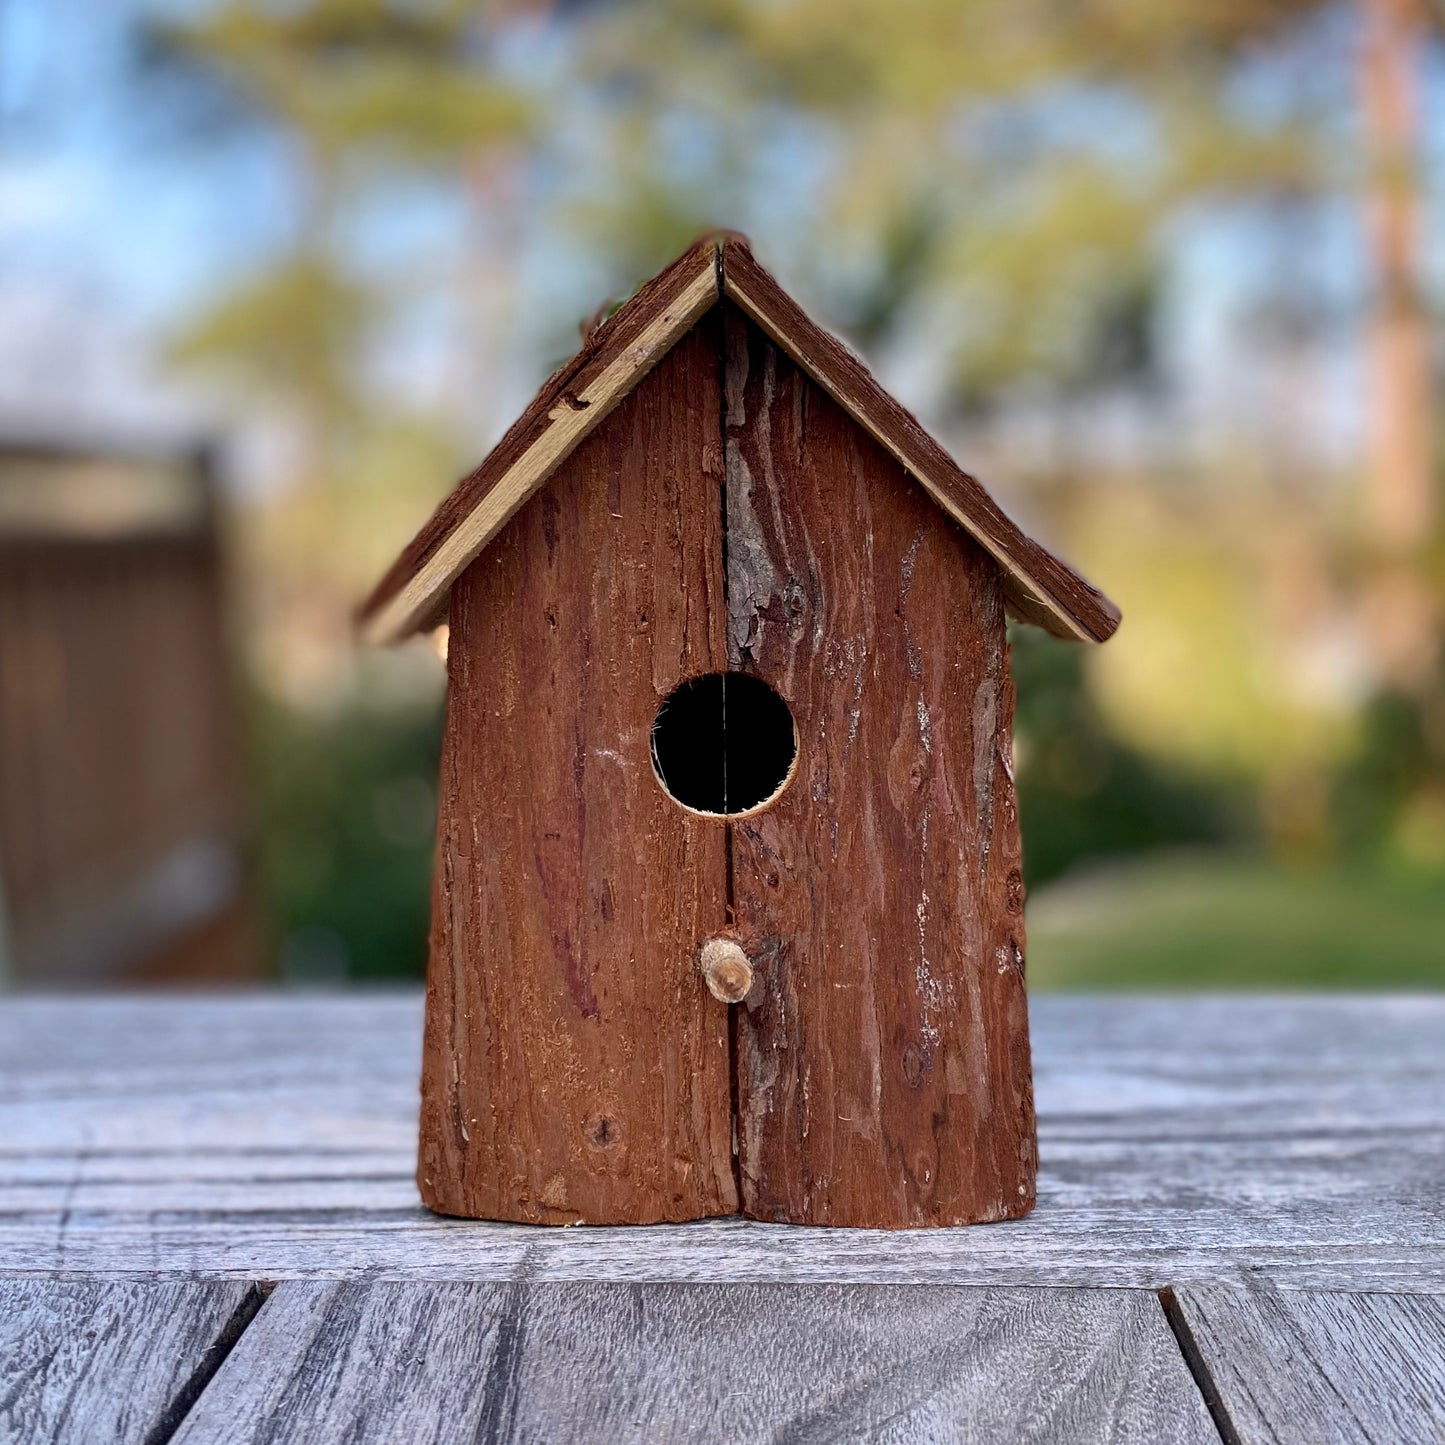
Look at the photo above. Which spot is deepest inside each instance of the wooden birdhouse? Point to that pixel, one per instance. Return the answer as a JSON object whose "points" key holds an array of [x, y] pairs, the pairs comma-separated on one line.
{"points": [[728, 913]]}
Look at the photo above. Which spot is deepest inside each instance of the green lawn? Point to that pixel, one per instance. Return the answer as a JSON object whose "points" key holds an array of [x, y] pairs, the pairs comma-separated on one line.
{"points": [[1229, 922]]}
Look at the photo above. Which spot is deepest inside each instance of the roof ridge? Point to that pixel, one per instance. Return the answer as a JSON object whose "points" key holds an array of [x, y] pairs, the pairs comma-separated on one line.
{"points": [[1040, 588]]}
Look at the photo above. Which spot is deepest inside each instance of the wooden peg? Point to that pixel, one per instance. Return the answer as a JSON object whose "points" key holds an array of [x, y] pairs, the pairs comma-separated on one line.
{"points": [[726, 969]]}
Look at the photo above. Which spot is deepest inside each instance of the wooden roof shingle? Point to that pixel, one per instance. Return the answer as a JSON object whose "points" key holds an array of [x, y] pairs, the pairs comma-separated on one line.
{"points": [[1040, 588]]}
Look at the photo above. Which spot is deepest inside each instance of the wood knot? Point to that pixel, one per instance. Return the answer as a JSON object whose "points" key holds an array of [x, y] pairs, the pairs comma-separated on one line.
{"points": [[601, 1132], [917, 1064], [725, 969], [1015, 891]]}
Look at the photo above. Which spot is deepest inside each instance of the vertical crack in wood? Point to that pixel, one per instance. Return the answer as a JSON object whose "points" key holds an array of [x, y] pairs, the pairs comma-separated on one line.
{"points": [[734, 1071], [883, 1061], [1198, 1367], [730, 905], [723, 693], [502, 1395], [502, 1389], [228, 1337], [720, 333]]}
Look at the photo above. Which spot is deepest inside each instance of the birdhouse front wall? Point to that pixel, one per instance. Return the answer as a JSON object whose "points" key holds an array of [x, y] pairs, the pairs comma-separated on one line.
{"points": [[728, 516]]}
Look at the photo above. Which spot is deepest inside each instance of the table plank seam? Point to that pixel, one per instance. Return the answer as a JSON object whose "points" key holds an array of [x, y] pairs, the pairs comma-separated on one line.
{"points": [[227, 1338], [1198, 1367], [519, 1359]]}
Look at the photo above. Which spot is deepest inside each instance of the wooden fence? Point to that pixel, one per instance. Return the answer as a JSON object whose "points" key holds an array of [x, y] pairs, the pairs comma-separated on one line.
{"points": [[121, 831]]}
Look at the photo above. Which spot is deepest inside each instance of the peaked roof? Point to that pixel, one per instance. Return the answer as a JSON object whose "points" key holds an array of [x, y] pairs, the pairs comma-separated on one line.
{"points": [[1039, 587]]}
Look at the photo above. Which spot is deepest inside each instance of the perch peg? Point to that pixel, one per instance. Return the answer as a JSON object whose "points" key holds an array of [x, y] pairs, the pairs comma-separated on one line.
{"points": [[726, 969]]}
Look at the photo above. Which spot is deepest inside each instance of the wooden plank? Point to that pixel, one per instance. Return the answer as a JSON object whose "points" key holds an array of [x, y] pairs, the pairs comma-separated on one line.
{"points": [[521, 1361], [614, 359], [1041, 589], [576, 1067], [111, 1363], [1299, 1140], [883, 1058], [1299, 1368]]}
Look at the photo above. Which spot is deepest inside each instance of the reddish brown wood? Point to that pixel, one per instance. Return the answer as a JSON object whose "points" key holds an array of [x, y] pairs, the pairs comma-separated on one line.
{"points": [[576, 1067], [882, 1054], [1040, 588], [1058, 599], [604, 344]]}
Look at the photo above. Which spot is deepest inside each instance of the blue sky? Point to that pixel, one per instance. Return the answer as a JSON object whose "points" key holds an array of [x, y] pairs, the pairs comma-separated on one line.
{"points": [[115, 223]]}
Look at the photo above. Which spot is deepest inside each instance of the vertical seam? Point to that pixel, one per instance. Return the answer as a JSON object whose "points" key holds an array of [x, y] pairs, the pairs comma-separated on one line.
{"points": [[1196, 1365], [730, 894]]}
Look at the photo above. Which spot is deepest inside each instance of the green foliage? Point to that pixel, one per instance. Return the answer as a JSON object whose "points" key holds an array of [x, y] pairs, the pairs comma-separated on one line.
{"points": [[1214, 665], [372, 92], [402, 80], [346, 819], [1227, 922], [294, 331], [1012, 170], [1389, 800], [1015, 163], [1084, 795]]}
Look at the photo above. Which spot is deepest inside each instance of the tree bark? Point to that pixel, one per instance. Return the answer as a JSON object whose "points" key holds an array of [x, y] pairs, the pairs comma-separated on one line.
{"points": [[1401, 503]]}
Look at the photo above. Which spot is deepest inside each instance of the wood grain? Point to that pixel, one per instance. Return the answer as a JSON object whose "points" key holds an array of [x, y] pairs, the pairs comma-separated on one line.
{"points": [[1299, 1368], [110, 1363], [1296, 1140], [576, 1067], [1041, 589], [883, 1059], [374, 1362], [573, 402]]}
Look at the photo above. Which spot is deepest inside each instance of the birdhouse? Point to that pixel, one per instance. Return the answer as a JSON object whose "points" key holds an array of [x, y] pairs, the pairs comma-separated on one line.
{"points": [[728, 912]]}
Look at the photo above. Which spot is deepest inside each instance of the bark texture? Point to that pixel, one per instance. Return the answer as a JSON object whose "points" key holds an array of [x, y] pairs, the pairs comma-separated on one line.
{"points": [[575, 1065], [729, 515], [882, 1053]]}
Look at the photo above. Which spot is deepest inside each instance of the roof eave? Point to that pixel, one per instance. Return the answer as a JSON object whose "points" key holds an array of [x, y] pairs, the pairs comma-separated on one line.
{"points": [[1039, 588], [577, 398]]}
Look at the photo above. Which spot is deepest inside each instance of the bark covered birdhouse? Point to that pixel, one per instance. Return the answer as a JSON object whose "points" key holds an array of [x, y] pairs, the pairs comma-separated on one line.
{"points": [[728, 913]]}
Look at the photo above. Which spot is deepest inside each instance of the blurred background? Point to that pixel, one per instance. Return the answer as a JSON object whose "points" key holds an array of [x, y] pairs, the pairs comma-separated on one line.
{"points": [[1164, 275]]}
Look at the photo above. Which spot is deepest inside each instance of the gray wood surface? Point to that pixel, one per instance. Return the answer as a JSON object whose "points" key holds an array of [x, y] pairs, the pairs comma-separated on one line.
{"points": [[1299, 1368], [1297, 1140], [392, 1361], [110, 1363]]}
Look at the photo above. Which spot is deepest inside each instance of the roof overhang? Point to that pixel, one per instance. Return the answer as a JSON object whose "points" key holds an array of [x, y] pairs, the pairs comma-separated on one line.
{"points": [[1039, 587]]}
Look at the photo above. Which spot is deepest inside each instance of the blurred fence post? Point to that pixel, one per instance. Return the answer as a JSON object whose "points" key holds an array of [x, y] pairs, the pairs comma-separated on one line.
{"points": [[121, 805]]}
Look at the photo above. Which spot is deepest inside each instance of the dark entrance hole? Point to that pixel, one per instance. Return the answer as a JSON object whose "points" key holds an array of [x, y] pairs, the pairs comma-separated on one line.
{"points": [[723, 743]]}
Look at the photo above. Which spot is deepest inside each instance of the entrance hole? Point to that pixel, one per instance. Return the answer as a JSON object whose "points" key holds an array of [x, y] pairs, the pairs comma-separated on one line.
{"points": [[723, 744]]}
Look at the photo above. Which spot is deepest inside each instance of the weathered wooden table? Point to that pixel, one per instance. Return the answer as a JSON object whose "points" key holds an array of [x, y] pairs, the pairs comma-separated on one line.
{"points": [[209, 1232]]}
